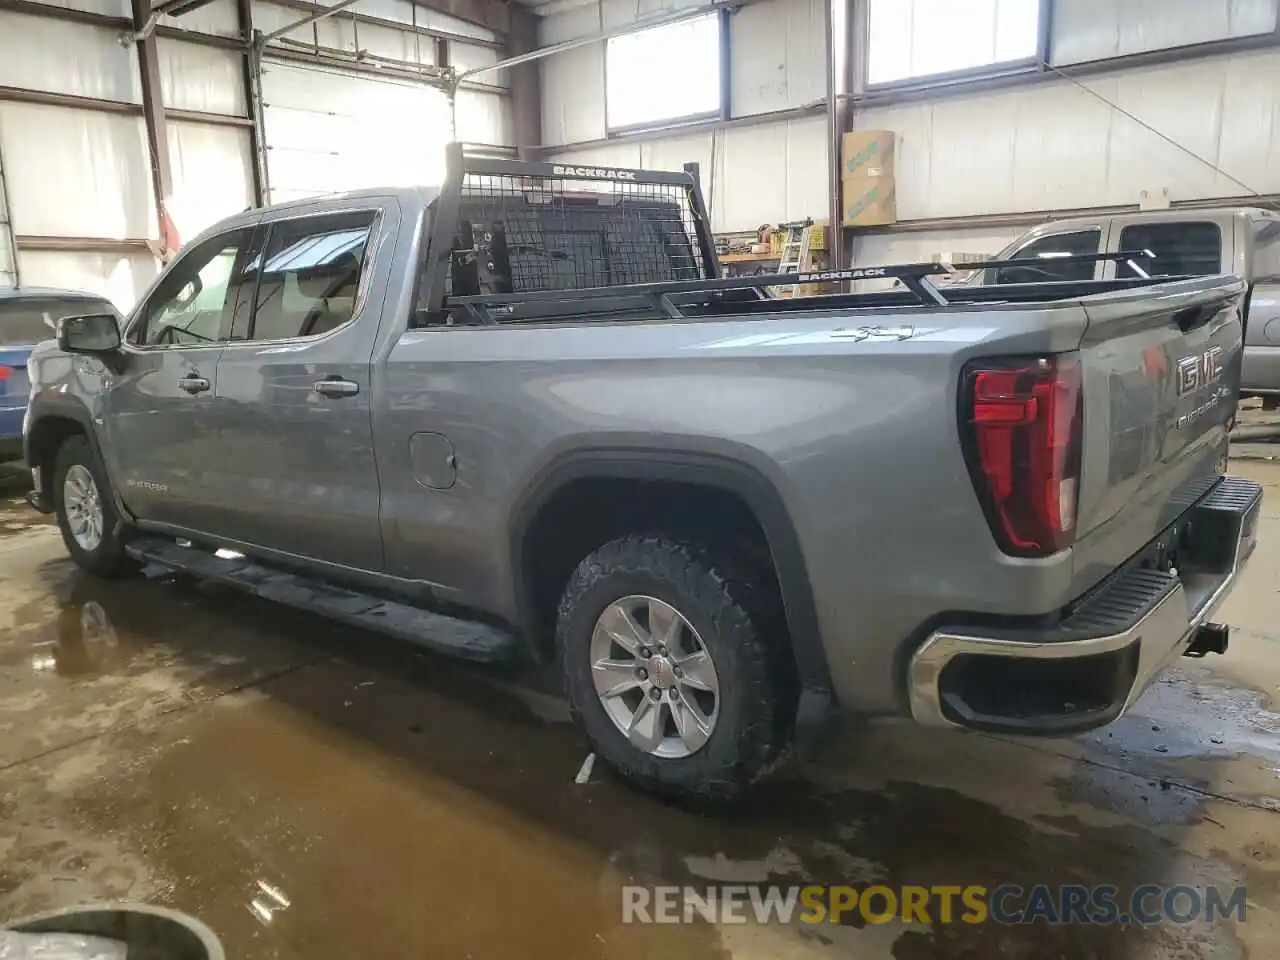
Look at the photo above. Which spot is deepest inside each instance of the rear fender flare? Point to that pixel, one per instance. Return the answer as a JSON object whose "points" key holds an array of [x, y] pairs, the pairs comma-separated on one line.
{"points": [[707, 470]]}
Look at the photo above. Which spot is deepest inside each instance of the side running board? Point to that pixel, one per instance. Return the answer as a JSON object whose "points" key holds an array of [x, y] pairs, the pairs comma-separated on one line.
{"points": [[448, 635]]}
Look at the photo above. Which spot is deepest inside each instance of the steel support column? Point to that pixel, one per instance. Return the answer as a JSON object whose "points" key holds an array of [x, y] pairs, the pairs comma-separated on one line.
{"points": [[153, 115], [251, 73], [526, 83], [837, 56]]}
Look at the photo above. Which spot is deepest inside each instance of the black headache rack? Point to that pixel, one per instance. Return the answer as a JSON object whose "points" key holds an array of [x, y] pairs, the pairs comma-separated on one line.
{"points": [[513, 241]]}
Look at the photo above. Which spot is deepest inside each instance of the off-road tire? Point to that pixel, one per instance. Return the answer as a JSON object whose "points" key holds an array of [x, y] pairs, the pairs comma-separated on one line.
{"points": [[108, 559], [739, 617]]}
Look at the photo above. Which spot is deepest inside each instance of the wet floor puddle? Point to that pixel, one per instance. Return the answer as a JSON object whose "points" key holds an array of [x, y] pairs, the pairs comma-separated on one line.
{"points": [[312, 791]]}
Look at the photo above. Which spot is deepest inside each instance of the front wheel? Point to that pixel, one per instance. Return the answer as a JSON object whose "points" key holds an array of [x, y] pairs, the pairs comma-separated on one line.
{"points": [[676, 666], [87, 516]]}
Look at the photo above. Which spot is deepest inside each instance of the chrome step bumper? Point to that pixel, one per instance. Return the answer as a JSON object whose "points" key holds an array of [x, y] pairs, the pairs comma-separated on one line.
{"points": [[1129, 629]]}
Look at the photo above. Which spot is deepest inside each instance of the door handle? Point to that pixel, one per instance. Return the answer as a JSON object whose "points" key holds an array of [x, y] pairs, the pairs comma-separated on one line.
{"points": [[193, 385], [336, 387]]}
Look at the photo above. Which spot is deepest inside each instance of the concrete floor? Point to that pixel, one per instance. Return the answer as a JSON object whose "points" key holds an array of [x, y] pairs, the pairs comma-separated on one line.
{"points": [[165, 742]]}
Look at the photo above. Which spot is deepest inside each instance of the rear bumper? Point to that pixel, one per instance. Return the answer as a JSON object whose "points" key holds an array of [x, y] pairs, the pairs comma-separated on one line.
{"points": [[1085, 669]]}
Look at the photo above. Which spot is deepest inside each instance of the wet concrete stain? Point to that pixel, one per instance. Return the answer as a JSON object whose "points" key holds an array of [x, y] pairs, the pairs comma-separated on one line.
{"points": [[311, 791]]}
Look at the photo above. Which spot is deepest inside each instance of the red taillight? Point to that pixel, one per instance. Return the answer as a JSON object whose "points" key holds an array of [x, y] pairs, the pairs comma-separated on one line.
{"points": [[1021, 421], [4, 372]]}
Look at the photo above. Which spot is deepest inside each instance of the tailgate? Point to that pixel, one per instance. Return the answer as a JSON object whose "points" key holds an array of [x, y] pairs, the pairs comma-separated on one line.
{"points": [[1161, 376]]}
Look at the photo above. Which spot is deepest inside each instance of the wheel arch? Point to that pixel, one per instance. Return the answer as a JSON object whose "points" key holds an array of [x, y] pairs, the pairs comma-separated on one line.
{"points": [[713, 472], [50, 424]]}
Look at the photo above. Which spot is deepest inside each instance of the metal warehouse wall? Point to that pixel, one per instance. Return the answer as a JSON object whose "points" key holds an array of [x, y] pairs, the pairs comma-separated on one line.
{"points": [[752, 174], [345, 103], [1041, 144]]}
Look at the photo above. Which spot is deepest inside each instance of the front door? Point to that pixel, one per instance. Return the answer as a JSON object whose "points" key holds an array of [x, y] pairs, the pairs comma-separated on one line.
{"points": [[164, 445], [293, 394]]}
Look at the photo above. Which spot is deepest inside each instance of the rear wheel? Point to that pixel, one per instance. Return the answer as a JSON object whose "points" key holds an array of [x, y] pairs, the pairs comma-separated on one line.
{"points": [[87, 516], [676, 666]]}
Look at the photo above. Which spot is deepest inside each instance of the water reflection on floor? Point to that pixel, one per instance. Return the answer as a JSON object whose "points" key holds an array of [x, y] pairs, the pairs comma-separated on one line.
{"points": [[311, 791]]}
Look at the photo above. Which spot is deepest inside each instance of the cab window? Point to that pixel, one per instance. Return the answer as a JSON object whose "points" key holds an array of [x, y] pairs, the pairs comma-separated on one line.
{"points": [[1050, 251], [308, 275], [1181, 249], [193, 303]]}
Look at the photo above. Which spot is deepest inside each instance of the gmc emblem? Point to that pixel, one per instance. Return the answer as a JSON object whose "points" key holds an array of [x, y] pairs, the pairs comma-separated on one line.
{"points": [[1199, 370]]}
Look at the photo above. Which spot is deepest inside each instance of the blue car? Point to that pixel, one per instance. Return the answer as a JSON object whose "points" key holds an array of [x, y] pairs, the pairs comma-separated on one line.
{"points": [[29, 315]]}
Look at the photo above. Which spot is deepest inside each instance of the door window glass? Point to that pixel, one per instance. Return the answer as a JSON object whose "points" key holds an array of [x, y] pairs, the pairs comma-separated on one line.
{"points": [[1181, 249], [309, 275], [1050, 251], [192, 304]]}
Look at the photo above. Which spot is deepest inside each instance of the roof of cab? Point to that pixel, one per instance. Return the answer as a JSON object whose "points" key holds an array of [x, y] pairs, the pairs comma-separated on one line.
{"points": [[418, 195]]}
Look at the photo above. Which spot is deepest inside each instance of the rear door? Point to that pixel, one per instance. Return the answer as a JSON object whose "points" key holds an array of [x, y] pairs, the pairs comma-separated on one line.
{"points": [[293, 396]]}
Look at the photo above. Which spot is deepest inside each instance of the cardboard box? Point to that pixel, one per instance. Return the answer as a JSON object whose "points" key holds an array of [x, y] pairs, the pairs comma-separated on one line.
{"points": [[867, 153], [869, 201]]}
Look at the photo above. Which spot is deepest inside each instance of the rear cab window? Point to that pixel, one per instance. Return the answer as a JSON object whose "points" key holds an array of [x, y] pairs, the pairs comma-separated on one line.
{"points": [[1181, 249], [306, 280], [1047, 250]]}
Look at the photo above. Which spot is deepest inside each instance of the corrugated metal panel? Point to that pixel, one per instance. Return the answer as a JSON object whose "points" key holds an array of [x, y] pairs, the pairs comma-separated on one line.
{"points": [[66, 58], [328, 131], [114, 8], [578, 22], [772, 173], [218, 17], [1094, 29], [1053, 146], [402, 11], [754, 175], [121, 278], [340, 31], [397, 44], [212, 174], [336, 32], [618, 12], [194, 77], [483, 118], [466, 57], [573, 95], [778, 56], [76, 172]]}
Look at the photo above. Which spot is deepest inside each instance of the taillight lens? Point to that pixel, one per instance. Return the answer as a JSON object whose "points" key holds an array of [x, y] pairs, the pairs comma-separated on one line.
{"points": [[1021, 423]]}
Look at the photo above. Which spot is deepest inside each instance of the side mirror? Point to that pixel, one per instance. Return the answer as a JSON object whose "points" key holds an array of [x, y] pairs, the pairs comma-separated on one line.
{"points": [[96, 334]]}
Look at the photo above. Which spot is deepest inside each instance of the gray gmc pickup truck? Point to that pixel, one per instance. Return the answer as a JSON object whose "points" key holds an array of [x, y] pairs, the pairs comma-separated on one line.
{"points": [[523, 415]]}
